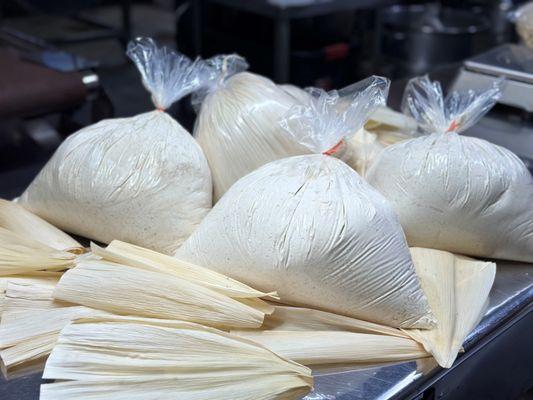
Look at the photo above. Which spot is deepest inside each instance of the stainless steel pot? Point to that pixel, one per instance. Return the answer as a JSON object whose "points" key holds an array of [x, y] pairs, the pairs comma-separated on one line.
{"points": [[420, 38]]}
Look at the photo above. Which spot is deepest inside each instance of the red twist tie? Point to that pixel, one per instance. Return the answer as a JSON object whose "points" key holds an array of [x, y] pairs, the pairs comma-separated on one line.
{"points": [[334, 149], [453, 126]]}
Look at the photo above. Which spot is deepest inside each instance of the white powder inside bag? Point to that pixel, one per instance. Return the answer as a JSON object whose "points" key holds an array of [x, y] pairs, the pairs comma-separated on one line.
{"points": [[453, 192], [460, 194], [143, 180], [312, 229]]}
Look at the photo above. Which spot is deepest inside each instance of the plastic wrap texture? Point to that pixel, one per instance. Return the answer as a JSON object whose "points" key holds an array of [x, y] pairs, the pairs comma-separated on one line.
{"points": [[298, 93], [248, 121], [321, 124], [166, 74], [312, 229], [143, 179], [215, 73], [238, 128], [453, 192], [360, 149]]}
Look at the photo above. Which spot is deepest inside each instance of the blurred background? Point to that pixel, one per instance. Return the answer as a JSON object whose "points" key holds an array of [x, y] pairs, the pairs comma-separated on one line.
{"points": [[62, 63]]}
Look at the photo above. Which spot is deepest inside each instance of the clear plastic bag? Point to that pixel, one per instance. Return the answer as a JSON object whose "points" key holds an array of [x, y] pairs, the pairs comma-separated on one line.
{"points": [[218, 70], [312, 229], [425, 102], [166, 74], [382, 128], [237, 125], [454, 192], [142, 179], [246, 120], [308, 224], [325, 124]]}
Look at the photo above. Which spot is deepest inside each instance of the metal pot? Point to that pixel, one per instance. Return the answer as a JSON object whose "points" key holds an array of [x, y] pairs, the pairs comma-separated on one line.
{"points": [[420, 38]]}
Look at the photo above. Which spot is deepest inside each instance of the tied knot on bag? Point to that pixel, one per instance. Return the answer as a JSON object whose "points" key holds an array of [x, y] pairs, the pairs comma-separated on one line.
{"points": [[456, 124], [335, 149], [453, 126]]}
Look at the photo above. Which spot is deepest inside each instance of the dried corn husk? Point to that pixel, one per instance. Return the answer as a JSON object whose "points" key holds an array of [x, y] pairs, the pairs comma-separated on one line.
{"points": [[38, 277], [28, 330], [320, 347], [20, 350], [140, 257], [285, 318], [388, 119], [436, 270], [20, 254], [123, 289], [457, 289], [17, 219], [154, 359], [473, 282], [27, 337], [24, 296]]}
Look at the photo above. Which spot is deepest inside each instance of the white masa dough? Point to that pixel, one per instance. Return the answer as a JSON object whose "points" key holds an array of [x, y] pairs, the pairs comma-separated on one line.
{"points": [[142, 180], [460, 194], [238, 128], [312, 229]]}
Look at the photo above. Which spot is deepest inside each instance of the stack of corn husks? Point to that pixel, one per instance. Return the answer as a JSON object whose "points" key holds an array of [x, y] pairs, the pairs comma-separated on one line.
{"points": [[302, 263], [101, 310]]}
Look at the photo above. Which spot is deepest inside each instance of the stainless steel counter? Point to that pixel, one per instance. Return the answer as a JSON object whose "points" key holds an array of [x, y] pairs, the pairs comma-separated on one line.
{"points": [[512, 291]]}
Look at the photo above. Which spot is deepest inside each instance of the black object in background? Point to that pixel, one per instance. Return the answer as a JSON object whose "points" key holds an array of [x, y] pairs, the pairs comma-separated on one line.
{"points": [[324, 49]]}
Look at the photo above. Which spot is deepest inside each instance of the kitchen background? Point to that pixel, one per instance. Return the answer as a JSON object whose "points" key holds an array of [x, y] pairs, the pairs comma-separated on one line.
{"points": [[62, 63]]}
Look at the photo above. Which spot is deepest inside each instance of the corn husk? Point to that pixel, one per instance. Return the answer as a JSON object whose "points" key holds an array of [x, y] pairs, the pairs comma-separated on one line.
{"points": [[39, 277], [286, 318], [127, 290], [388, 119], [31, 321], [320, 347], [145, 359], [473, 282], [20, 254], [17, 219], [153, 289], [24, 296], [27, 337], [140, 257], [457, 289]]}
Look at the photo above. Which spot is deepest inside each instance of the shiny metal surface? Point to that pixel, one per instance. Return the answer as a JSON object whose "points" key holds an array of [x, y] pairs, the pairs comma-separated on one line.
{"points": [[509, 60], [512, 290], [514, 62]]}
